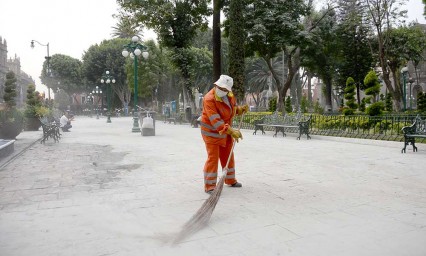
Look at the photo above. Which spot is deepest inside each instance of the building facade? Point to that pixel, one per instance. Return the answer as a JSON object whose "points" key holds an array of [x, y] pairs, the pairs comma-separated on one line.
{"points": [[14, 65]]}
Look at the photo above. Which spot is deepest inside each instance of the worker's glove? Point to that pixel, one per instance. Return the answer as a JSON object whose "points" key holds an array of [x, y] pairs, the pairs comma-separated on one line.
{"points": [[236, 134], [242, 109]]}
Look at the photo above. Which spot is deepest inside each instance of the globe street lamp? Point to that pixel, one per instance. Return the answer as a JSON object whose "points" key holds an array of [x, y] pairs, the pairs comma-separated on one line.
{"points": [[411, 81], [107, 78], [91, 98], [47, 61], [97, 91], [404, 72], [134, 49]]}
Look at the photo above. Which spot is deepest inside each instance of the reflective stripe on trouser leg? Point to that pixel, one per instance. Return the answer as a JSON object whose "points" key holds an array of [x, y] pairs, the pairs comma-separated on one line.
{"points": [[224, 154], [210, 167]]}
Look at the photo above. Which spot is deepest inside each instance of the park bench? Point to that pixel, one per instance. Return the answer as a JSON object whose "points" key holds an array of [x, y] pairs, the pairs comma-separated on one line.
{"points": [[416, 130], [50, 130], [280, 123], [175, 117]]}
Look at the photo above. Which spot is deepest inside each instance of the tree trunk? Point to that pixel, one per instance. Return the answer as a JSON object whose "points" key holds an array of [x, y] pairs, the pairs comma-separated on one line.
{"points": [[236, 48], [293, 60], [328, 103], [217, 62]]}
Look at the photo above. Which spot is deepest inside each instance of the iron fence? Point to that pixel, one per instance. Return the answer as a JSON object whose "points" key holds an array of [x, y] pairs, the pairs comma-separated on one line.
{"points": [[385, 127]]}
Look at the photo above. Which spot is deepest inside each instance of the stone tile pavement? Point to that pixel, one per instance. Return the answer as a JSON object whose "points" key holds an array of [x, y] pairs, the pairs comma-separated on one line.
{"points": [[104, 190]]}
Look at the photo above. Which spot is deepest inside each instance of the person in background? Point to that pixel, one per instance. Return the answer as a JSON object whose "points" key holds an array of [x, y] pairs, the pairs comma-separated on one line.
{"points": [[65, 122], [219, 107]]}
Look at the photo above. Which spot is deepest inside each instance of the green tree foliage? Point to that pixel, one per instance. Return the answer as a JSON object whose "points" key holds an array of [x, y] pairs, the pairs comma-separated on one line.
{"points": [[388, 102], [33, 101], [424, 10], [304, 104], [323, 54], [382, 16], [125, 28], [404, 43], [202, 68], [349, 94], [274, 26], [9, 95], [421, 102], [355, 57], [375, 109], [318, 108], [62, 99], [176, 24], [64, 74], [288, 107], [372, 85], [236, 46], [259, 77], [361, 107], [203, 39], [107, 56], [273, 104]]}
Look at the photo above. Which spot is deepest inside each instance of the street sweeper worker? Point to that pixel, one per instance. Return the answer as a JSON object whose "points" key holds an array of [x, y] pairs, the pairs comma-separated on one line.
{"points": [[219, 107]]}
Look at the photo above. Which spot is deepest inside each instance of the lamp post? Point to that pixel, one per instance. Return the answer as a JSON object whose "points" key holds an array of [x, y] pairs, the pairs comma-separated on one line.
{"points": [[90, 97], [134, 49], [47, 61], [107, 78], [411, 81], [97, 91], [404, 72]]}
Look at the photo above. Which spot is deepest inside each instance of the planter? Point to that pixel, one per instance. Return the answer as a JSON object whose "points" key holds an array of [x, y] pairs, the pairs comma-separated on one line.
{"points": [[9, 130], [32, 124]]}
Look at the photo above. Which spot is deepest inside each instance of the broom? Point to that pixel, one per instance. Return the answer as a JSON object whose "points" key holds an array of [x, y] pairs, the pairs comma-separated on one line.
{"points": [[202, 217]]}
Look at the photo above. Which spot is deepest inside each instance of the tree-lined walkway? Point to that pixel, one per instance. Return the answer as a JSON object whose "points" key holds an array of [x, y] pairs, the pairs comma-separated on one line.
{"points": [[104, 190]]}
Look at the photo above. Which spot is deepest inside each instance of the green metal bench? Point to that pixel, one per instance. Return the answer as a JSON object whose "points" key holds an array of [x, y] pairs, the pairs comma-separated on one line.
{"points": [[50, 130], [416, 130], [280, 123]]}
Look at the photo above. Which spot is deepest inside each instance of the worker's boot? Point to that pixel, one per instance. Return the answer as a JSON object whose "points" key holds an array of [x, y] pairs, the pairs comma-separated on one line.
{"points": [[236, 185]]}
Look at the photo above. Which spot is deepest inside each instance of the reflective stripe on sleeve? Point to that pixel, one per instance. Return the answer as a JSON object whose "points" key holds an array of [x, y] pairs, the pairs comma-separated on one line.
{"points": [[207, 126], [214, 116], [219, 123]]}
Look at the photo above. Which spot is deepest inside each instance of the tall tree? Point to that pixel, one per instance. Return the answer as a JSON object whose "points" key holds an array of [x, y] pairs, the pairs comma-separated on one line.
{"points": [[383, 15], [355, 56], [236, 46], [216, 38], [259, 78], [107, 56], [125, 28], [64, 74], [406, 43], [321, 57], [176, 23], [273, 26]]}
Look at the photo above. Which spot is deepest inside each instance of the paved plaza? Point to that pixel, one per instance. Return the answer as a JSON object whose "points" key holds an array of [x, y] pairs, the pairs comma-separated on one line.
{"points": [[103, 190]]}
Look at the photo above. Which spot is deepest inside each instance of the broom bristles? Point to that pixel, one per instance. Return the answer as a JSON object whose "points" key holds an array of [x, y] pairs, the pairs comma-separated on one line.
{"points": [[200, 219]]}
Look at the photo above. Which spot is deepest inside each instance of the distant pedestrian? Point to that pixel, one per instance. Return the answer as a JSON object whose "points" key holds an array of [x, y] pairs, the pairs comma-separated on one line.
{"points": [[65, 122]]}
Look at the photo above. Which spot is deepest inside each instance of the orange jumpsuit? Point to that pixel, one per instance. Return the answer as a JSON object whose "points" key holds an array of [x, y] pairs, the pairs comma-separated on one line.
{"points": [[215, 119]]}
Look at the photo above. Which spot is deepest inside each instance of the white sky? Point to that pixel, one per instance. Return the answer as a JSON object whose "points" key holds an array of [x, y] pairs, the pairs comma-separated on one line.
{"points": [[71, 27]]}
